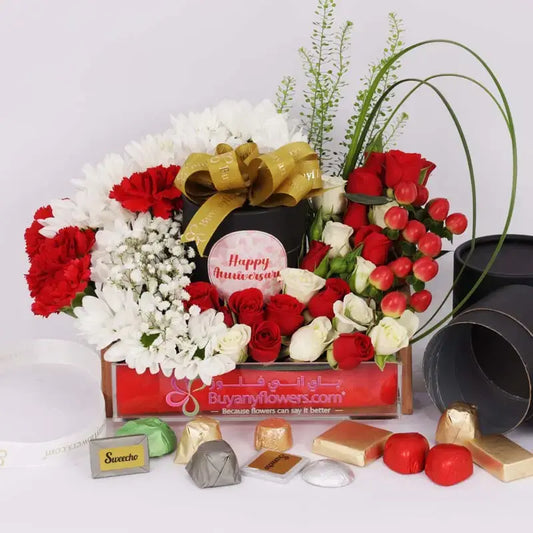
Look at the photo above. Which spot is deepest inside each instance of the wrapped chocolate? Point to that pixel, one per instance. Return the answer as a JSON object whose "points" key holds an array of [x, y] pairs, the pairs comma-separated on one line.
{"points": [[458, 424], [449, 464], [214, 464], [201, 429], [273, 434], [352, 442], [161, 439], [405, 453], [275, 466], [501, 457]]}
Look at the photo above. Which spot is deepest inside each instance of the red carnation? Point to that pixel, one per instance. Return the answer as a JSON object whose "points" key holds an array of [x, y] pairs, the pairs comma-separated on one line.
{"points": [[152, 190], [248, 306], [32, 236], [59, 269], [202, 294], [321, 304], [286, 312], [350, 349], [317, 251], [356, 216], [362, 181]]}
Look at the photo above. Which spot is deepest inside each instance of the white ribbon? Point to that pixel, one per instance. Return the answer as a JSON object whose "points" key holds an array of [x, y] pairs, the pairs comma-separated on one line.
{"points": [[81, 418]]}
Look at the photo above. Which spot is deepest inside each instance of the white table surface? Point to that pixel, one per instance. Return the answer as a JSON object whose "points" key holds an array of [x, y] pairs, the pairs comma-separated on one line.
{"points": [[68, 499]]}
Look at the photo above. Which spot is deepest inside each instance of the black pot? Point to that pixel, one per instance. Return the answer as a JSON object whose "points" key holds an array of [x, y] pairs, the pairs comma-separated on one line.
{"points": [[287, 224], [484, 356], [513, 265]]}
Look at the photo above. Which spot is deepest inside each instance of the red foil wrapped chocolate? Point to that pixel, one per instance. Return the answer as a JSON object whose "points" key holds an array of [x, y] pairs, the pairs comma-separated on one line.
{"points": [[449, 464], [405, 453]]}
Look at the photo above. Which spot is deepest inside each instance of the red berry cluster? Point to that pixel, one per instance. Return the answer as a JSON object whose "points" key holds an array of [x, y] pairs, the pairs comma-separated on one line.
{"points": [[415, 227]]}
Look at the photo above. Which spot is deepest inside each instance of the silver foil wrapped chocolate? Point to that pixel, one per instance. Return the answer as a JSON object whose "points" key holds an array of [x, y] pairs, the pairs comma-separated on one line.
{"points": [[214, 464]]}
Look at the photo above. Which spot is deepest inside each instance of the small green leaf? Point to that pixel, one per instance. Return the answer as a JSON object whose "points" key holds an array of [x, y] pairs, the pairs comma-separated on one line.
{"points": [[323, 268], [366, 199], [147, 339]]}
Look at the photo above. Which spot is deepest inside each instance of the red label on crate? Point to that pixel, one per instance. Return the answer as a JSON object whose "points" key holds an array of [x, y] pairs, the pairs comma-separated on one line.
{"points": [[258, 391]]}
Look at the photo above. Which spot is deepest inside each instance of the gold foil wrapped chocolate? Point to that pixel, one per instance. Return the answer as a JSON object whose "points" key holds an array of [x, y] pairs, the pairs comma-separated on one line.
{"points": [[201, 429], [273, 434], [352, 442], [458, 424], [501, 457]]}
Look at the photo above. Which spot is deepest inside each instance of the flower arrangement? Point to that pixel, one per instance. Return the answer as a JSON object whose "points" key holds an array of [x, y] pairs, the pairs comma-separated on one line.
{"points": [[115, 254]]}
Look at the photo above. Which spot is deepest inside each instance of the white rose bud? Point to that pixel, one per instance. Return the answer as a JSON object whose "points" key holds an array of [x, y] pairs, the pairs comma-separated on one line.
{"points": [[234, 342], [310, 342], [359, 278], [409, 321], [301, 284], [388, 336], [337, 235], [376, 214], [352, 313], [333, 200]]}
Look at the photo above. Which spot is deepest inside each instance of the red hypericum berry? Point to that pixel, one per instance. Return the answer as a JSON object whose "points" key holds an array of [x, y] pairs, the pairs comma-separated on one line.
{"points": [[413, 231], [405, 192], [420, 301], [396, 218], [438, 209], [425, 269], [381, 278], [394, 304], [422, 195], [456, 223], [401, 267], [430, 244]]}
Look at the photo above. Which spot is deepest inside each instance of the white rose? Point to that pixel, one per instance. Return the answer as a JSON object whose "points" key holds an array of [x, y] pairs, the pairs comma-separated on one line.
{"points": [[333, 200], [337, 235], [352, 313], [376, 213], [301, 284], [234, 342], [310, 342], [359, 278], [388, 336], [409, 321]]}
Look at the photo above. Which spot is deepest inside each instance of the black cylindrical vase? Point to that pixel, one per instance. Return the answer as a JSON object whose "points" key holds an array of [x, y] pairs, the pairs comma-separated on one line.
{"points": [[513, 265], [286, 224], [484, 356]]}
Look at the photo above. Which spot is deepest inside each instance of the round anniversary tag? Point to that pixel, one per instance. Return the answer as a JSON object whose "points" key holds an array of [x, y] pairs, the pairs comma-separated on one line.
{"points": [[245, 259]]}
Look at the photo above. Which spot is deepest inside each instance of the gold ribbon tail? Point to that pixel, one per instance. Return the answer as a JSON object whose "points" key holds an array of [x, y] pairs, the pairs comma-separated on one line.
{"points": [[209, 216]]}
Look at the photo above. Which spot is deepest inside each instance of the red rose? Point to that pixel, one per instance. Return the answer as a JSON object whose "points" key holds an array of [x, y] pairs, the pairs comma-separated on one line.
{"points": [[349, 349], [32, 236], [375, 162], [321, 304], [62, 286], [317, 251], [228, 317], [248, 306], [202, 294], [286, 312], [265, 343], [400, 166], [356, 216], [363, 232], [362, 181], [152, 190], [376, 248]]}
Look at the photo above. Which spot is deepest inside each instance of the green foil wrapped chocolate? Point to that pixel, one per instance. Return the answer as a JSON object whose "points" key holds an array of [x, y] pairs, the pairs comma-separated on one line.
{"points": [[161, 439]]}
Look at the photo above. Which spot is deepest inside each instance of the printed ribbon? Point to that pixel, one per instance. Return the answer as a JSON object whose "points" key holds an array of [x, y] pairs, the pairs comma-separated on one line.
{"points": [[223, 182]]}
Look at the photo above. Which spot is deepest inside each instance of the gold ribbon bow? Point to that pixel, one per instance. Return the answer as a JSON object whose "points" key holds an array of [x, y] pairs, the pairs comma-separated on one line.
{"points": [[223, 182]]}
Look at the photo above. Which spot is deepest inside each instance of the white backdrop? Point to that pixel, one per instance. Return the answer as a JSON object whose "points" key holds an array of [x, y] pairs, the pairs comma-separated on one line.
{"points": [[81, 79]]}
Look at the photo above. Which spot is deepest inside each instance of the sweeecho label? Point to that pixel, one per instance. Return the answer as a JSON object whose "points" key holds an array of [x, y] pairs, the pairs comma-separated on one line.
{"points": [[253, 390]]}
